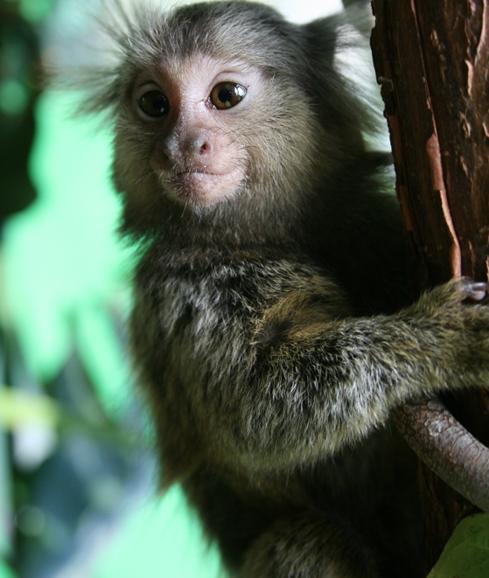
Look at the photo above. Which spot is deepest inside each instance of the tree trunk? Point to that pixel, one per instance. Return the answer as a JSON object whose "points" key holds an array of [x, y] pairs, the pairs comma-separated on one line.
{"points": [[432, 61]]}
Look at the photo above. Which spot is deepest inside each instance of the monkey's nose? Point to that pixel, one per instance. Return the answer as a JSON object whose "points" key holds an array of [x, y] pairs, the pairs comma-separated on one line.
{"points": [[201, 146]]}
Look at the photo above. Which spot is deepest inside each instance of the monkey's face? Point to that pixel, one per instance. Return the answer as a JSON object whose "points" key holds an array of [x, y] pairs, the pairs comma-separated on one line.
{"points": [[195, 115], [227, 118], [200, 132]]}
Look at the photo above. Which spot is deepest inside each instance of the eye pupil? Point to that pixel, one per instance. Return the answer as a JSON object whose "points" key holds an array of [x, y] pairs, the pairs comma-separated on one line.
{"points": [[227, 94], [154, 104]]}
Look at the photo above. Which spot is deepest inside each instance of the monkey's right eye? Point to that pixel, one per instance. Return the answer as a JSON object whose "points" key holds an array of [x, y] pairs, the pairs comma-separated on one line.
{"points": [[153, 104]]}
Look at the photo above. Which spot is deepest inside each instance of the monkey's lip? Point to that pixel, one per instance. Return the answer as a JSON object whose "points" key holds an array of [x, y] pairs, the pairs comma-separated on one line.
{"points": [[197, 173], [204, 187]]}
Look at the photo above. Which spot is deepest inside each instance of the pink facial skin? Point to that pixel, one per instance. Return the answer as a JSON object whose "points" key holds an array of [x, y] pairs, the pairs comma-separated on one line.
{"points": [[196, 154]]}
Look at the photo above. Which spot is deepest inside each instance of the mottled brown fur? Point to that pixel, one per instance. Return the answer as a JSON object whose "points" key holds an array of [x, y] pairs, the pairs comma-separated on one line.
{"points": [[301, 314]]}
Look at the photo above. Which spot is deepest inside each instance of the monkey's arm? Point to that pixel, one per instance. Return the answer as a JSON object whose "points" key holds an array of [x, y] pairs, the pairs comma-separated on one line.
{"points": [[308, 384]]}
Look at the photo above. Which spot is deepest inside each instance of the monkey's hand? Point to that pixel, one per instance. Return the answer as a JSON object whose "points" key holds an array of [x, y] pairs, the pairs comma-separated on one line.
{"points": [[451, 295], [461, 320]]}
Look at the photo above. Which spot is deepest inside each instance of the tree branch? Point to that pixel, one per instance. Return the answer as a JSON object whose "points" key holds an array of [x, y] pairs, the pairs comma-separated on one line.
{"points": [[448, 449]]}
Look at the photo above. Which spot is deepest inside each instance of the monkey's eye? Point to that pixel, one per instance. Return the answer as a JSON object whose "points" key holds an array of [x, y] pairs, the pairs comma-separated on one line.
{"points": [[227, 94], [153, 103]]}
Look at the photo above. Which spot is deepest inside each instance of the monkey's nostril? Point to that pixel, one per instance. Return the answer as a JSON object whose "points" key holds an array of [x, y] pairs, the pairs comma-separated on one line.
{"points": [[204, 148]]}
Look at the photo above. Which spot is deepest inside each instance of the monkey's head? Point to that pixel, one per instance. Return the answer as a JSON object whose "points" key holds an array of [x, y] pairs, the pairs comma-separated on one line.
{"points": [[225, 115]]}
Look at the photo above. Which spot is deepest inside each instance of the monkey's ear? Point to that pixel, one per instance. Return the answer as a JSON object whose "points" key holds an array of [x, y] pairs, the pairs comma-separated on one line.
{"points": [[320, 39], [339, 63], [91, 58], [345, 30]]}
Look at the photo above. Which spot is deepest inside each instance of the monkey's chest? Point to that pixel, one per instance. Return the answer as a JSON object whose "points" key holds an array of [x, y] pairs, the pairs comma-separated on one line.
{"points": [[190, 337]]}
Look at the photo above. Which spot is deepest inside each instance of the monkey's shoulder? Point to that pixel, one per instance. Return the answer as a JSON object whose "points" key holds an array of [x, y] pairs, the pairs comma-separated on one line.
{"points": [[203, 301]]}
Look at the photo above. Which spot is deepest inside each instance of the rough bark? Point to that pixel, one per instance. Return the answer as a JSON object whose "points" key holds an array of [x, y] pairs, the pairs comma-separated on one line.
{"points": [[432, 61], [440, 440]]}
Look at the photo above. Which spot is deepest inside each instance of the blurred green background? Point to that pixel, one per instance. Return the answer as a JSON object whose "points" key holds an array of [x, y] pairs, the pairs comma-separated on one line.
{"points": [[78, 482]]}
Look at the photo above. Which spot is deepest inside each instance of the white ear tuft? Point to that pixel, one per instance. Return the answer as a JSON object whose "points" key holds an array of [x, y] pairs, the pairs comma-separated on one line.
{"points": [[87, 44]]}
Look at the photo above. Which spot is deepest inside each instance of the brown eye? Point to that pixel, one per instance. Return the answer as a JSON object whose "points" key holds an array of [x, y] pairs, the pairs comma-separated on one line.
{"points": [[227, 94], [154, 104]]}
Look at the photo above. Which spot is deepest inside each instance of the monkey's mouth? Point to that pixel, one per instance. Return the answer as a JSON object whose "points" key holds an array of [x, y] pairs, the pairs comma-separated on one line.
{"points": [[193, 182], [197, 172], [203, 187]]}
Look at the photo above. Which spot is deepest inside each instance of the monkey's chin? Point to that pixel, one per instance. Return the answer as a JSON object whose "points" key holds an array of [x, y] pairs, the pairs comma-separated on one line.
{"points": [[204, 189]]}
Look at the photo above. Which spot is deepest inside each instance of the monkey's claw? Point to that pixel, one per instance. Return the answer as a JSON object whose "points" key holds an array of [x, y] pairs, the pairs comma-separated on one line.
{"points": [[474, 290]]}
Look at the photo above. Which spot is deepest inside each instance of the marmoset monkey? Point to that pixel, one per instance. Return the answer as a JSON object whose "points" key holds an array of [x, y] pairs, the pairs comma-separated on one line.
{"points": [[272, 325]]}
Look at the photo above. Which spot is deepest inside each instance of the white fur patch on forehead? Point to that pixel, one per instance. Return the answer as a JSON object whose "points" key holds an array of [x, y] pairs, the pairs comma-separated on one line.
{"points": [[201, 64]]}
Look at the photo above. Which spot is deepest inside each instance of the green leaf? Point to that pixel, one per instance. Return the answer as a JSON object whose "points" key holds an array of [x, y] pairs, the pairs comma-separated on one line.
{"points": [[466, 554]]}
